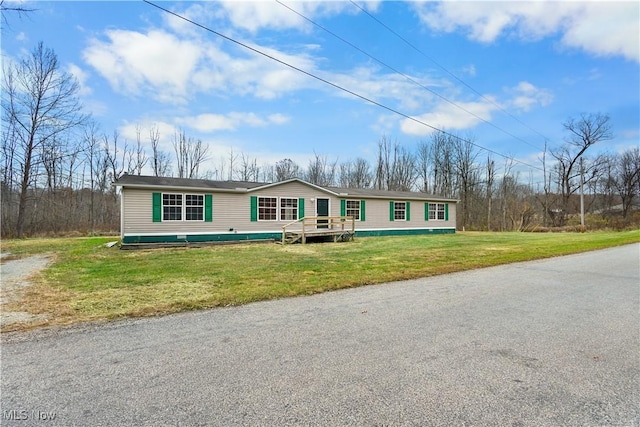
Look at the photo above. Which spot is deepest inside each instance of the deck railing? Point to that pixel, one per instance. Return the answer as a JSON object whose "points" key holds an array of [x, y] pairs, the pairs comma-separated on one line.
{"points": [[319, 226]]}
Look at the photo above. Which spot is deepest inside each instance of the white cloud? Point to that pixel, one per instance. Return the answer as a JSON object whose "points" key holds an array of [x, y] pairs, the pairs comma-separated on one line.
{"points": [[409, 92], [385, 124], [197, 12], [270, 79], [597, 27], [607, 28], [278, 119], [156, 62], [96, 108], [171, 69], [231, 121], [526, 96], [256, 15], [461, 115], [470, 70], [253, 16], [209, 122], [81, 76], [449, 117]]}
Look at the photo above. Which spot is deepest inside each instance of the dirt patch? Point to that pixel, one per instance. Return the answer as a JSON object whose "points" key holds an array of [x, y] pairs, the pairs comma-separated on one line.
{"points": [[15, 275]]}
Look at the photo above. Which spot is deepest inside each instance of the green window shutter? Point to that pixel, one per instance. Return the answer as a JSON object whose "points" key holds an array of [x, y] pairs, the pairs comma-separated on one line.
{"points": [[343, 207], [408, 211], [362, 210], [391, 216], [208, 208], [254, 208], [300, 208], [426, 211], [446, 211], [157, 207]]}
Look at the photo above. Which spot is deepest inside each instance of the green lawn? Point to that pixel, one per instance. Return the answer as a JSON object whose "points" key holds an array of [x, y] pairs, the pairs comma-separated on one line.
{"points": [[88, 281]]}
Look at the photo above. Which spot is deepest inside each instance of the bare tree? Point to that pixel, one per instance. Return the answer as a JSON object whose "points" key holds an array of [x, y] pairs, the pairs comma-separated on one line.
{"points": [[10, 174], [627, 179], [39, 103], [94, 158], [395, 169], [465, 155], [320, 171], [606, 185], [114, 156], [267, 173], [442, 159], [584, 132], [383, 164], [423, 166], [507, 188], [249, 170], [160, 160], [12, 7], [287, 169], [355, 174], [403, 177], [190, 155], [137, 157], [344, 174], [232, 163], [491, 176], [546, 187]]}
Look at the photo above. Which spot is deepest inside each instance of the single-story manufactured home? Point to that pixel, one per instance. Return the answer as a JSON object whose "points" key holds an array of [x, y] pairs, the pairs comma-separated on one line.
{"points": [[173, 210]]}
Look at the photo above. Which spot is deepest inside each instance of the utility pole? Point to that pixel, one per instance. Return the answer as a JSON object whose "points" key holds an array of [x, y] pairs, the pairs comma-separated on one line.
{"points": [[581, 192]]}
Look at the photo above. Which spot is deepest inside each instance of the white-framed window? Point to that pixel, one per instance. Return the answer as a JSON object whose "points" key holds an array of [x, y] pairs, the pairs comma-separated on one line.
{"points": [[288, 209], [182, 207], [194, 207], [171, 207], [267, 208], [399, 211], [436, 211], [353, 209]]}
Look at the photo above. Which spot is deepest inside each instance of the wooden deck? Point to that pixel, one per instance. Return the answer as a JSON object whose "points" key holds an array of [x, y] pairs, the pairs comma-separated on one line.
{"points": [[338, 228]]}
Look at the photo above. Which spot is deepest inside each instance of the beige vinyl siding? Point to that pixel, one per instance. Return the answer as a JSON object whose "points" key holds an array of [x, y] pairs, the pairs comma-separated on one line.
{"points": [[377, 216], [233, 211], [138, 214], [230, 210]]}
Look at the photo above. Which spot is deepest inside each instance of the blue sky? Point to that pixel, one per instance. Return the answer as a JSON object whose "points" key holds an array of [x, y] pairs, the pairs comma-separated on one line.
{"points": [[505, 73]]}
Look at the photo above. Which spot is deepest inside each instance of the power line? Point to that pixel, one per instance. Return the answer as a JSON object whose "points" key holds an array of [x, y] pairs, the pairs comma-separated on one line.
{"points": [[357, 95], [449, 72], [410, 78]]}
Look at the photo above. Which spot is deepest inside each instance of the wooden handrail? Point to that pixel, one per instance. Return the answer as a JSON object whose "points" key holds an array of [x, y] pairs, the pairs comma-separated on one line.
{"points": [[327, 222]]}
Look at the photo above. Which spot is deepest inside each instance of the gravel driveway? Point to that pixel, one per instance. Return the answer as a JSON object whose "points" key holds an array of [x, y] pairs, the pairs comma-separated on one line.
{"points": [[14, 279]]}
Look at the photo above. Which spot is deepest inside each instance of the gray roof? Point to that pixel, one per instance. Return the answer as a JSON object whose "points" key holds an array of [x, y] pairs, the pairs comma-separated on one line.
{"points": [[374, 193], [126, 180], [143, 181]]}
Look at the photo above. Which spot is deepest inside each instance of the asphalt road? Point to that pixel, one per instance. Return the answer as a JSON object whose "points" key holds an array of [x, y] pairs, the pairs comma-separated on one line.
{"points": [[552, 342]]}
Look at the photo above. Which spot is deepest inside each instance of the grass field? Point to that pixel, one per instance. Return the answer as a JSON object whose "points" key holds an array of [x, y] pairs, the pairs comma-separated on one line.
{"points": [[88, 281]]}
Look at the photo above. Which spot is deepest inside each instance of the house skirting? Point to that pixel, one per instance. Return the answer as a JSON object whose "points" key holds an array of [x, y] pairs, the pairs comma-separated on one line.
{"points": [[404, 232], [238, 237]]}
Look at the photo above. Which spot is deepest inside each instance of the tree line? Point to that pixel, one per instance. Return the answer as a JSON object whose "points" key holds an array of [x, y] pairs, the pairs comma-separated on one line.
{"points": [[58, 166]]}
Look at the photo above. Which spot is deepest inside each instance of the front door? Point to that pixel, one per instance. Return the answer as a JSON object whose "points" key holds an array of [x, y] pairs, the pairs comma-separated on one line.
{"points": [[322, 209]]}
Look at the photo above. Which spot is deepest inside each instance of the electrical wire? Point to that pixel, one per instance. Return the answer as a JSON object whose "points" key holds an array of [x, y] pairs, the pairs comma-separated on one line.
{"points": [[449, 72], [412, 80], [335, 85]]}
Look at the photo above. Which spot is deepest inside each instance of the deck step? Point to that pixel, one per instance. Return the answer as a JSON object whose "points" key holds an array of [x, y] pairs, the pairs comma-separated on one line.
{"points": [[291, 237], [297, 237]]}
